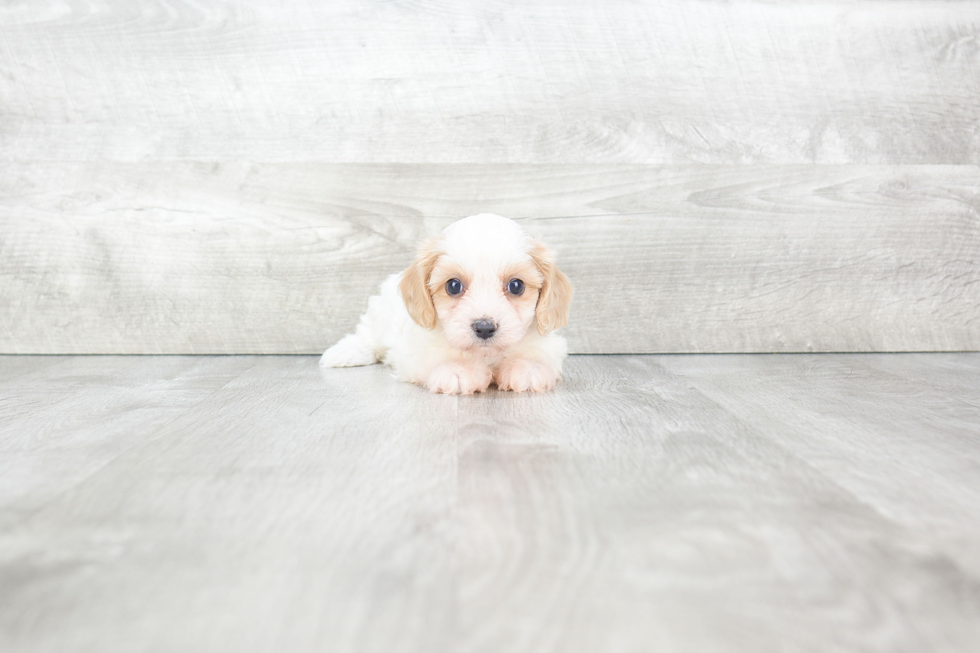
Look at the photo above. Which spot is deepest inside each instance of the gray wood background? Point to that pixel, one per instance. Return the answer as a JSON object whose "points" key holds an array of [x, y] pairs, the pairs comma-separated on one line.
{"points": [[237, 177]]}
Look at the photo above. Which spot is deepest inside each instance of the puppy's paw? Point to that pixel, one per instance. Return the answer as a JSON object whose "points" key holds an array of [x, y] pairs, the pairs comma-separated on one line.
{"points": [[459, 379], [520, 375], [349, 352]]}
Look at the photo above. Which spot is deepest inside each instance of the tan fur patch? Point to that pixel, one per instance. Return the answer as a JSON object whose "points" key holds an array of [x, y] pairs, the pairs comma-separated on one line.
{"points": [[533, 281], [414, 285], [527, 272], [443, 272], [555, 298]]}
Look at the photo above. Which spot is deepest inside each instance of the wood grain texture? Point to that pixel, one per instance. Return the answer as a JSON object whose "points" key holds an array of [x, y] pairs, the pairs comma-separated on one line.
{"points": [[684, 503], [277, 258], [261, 518], [696, 528], [65, 418], [803, 400], [444, 81], [237, 177]]}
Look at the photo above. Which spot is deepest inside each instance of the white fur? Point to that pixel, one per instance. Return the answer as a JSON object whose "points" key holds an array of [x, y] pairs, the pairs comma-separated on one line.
{"points": [[450, 358]]}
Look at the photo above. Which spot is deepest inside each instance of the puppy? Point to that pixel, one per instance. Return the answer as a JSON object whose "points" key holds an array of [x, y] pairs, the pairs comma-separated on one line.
{"points": [[479, 305]]}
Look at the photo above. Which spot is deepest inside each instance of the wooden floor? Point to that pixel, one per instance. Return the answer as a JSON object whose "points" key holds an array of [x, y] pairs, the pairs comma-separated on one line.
{"points": [[653, 503]]}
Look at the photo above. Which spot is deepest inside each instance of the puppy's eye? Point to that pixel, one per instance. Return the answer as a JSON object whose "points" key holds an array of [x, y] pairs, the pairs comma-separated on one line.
{"points": [[515, 287], [454, 286]]}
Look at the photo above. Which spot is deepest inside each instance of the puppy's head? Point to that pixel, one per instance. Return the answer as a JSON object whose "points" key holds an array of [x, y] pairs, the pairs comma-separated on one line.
{"points": [[486, 283]]}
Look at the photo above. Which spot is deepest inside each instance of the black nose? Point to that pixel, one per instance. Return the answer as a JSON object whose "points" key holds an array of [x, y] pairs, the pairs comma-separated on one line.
{"points": [[484, 328]]}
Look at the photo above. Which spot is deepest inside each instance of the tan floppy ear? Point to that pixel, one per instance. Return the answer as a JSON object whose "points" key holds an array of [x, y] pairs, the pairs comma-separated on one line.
{"points": [[414, 285], [555, 297]]}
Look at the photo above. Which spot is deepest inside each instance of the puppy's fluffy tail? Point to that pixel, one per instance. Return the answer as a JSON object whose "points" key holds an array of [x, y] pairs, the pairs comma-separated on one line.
{"points": [[351, 351]]}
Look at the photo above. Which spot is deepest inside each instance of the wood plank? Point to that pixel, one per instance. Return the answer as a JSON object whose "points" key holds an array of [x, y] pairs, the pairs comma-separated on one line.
{"points": [[284, 511], [916, 461], [650, 503], [274, 258], [615, 81], [945, 372], [12, 368], [67, 418], [632, 511]]}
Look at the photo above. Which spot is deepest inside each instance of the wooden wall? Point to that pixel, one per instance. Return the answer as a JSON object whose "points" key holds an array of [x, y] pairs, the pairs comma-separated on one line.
{"points": [[181, 176]]}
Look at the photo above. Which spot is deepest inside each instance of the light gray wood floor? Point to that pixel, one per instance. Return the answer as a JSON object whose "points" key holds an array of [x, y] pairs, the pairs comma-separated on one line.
{"points": [[652, 503]]}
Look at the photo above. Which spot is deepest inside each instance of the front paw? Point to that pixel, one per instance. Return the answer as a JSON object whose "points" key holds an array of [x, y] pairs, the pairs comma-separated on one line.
{"points": [[459, 379], [520, 375]]}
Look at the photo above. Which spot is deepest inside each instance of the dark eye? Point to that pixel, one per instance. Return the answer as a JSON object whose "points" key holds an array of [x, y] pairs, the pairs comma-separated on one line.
{"points": [[515, 287], [454, 286]]}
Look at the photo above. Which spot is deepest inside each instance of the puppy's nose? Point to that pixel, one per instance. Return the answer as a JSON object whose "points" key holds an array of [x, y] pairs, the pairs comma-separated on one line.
{"points": [[484, 328]]}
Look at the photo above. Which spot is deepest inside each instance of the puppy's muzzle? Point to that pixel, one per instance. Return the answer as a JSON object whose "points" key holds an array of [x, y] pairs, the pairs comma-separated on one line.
{"points": [[484, 329]]}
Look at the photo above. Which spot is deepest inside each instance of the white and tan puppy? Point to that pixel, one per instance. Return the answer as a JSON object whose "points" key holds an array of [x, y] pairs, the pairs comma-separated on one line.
{"points": [[480, 304]]}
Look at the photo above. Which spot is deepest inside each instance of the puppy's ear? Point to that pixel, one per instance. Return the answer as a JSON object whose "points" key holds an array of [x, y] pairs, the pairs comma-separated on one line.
{"points": [[414, 285], [555, 297]]}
